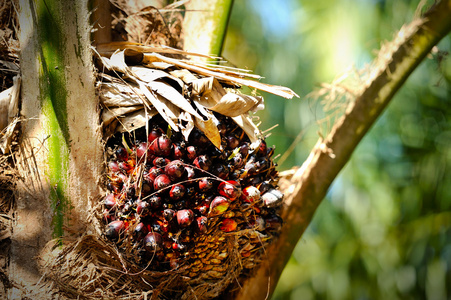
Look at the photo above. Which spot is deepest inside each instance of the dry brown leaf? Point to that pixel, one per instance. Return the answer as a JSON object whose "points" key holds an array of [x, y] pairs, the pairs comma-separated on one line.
{"points": [[149, 75], [110, 114], [171, 94], [202, 85], [186, 124], [119, 94], [135, 120], [208, 126], [159, 105], [248, 126], [184, 75], [233, 105], [273, 89]]}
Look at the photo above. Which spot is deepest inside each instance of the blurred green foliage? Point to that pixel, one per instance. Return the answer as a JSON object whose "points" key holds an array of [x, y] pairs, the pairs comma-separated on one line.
{"points": [[384, 230]]}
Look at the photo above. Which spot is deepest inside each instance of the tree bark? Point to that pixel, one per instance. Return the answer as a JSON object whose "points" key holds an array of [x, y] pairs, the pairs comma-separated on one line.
{"points": [[60, 155], [309, 184]]}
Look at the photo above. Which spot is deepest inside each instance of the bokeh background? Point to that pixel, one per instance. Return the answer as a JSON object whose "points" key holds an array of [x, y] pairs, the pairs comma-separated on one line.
{"points": [[384, 230]]}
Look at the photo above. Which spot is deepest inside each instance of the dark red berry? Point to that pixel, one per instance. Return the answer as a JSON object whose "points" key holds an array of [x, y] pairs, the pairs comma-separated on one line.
{"points": [[125, 166], [121, 154], [203, 162], [113, 166], [162, 146], [109, 201], [153, 242], [205, 184], [161, 182], [185, 217], [230, 189], [232, 142], [114, 229], [220, 170], [198, 138], [141, 149], [189, 173], [237, 161], [175, 169], [140, 231], [160, 162], [177, 192], [155, 202], [142, 208], [201, 223], [168, 214], [178, 151], [154, 134], [191, 152], [219, 205]]}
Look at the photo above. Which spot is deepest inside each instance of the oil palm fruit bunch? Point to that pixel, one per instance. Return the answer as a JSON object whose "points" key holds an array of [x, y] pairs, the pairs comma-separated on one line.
{"points": [[170, 199], [191, 189]]}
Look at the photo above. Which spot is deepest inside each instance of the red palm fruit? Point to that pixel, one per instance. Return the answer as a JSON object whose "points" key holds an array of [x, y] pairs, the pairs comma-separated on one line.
{"points": [[198, 138], [142, 208], [237, 161], [155, 202], [177, 246], [250, 194], [191, 152], [178, 151], [185, 217], [113, 166], [161, 146], [153, 242], [125, 166], [205, 184], [228, 225], [109, 201], [232, 142], [261, 150], [146, 188], [273, 223], [177, 192], [141, 149], [203, 208], [161, 182], [160, 162], [203, 162], [220, 170], [153, 173], [121, 154], [168, 214], [175, 169], [244, 149], [140, 231], [230, 189], [272, 198], [201, 223], [219, 205], [114, 229], [154, 134], [189, 173]]}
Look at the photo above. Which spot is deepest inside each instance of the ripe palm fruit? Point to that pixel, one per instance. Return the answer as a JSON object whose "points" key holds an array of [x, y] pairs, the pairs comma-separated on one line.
{"points": [[153, 242], [161, 146], [230, 189]]}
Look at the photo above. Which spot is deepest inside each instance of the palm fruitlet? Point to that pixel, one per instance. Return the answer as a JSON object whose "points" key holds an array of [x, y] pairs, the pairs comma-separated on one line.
{"points": [[170, 199]]}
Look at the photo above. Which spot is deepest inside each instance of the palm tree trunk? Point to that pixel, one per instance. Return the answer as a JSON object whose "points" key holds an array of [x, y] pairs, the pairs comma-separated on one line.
{"points": [[60, 159]]}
